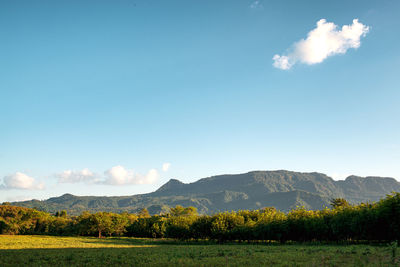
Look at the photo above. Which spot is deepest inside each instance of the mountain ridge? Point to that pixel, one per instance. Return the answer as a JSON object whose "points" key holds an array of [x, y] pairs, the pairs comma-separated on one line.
{"points": [[281, 189]]}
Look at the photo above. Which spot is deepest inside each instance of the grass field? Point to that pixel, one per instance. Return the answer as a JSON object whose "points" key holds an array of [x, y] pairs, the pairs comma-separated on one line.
{"points": [[88, 251]]}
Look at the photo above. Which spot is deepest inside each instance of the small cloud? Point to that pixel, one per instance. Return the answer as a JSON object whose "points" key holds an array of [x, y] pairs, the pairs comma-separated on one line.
{"points": [[256, 4], [339, 176], [282, 62], [118, 175], [322, 42], [70, 176], [165, 166], [20, 180]]}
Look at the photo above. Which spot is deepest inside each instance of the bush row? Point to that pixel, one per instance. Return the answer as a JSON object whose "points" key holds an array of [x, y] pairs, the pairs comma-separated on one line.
{"points": [[378, 221]]}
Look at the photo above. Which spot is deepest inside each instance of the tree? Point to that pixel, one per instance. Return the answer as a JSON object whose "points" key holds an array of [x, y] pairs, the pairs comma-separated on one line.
{"points": [[62, 213], [201, 227], [102, 222], [179, 227], [97, 223], [181, 211], [119, 223], [144, 213], [339, 203], [3, 226]]}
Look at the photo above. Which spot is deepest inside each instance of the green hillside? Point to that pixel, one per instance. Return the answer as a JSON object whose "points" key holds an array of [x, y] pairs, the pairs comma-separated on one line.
{"points": [[253, 190]]}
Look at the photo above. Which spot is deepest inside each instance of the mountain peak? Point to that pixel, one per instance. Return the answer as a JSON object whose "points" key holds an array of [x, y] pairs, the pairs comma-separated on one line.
{"points": [[67, 196], [62, 198], [171, 184]]}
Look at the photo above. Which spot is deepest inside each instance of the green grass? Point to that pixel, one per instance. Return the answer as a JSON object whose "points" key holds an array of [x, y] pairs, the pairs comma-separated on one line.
{"points": [[88, 251]]}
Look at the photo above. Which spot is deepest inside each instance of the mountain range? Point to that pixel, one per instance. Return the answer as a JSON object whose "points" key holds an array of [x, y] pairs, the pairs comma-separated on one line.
{"points": [[281, 189]]}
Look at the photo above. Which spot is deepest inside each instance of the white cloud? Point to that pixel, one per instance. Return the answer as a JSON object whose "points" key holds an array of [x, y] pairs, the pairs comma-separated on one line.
{"points": [[151, 177], [70, 176], [20, 180], [256, 4], [323, 41], [165, 166], [339, 176], [118, 175], [282, 62]]}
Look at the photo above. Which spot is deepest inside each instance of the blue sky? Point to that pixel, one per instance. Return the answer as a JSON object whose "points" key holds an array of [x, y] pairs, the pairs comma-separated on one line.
{"points": [[97, 95]]}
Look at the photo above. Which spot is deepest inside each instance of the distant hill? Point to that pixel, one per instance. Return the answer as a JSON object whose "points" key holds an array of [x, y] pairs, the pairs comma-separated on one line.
{"points": [[253, 190]]}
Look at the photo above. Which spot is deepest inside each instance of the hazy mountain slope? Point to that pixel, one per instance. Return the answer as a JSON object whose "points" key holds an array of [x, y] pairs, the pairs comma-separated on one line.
{"points": [[358, 189], [281, 189]]}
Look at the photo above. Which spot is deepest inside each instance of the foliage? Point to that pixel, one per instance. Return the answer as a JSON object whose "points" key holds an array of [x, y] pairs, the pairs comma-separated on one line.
{"points": [[181, 211], [365, 222], [153, 226], [339, 203]]}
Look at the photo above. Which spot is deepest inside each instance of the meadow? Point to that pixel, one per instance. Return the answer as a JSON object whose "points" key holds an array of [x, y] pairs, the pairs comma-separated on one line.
{"points": [[40, 250]]}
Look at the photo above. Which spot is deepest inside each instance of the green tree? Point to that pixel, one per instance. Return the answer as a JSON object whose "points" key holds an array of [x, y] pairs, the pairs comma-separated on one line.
{"points": [[95, 224], [181, 211], [63, 213], [339, 203], [119, 223], [144, 213], [102, 223]]}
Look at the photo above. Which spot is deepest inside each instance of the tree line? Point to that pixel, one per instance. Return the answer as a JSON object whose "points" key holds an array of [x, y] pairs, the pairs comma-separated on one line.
{"points": [[378, 221]]}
